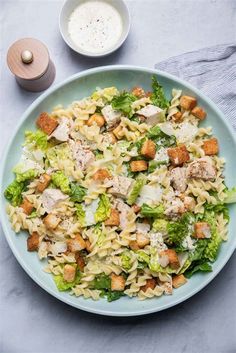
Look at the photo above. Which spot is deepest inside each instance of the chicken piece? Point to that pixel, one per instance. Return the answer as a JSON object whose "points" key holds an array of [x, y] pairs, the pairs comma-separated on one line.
{"points": [[111, 116], [142, 240], [27, 206], [138, 92], [163, 260], [109, 138], [143, 227], [202, 230], [178, 155], [76, 244], [124, 210], [149, 194], [96, 119], [178, 179], [133, 245], [188, 102], [178, 281], [175, 209], [118, 132], [136, 208], [101, 174], [199, 113], [69, 273], [51, 198], [80, 260], [46, 123], [152, 113], [138, 166], [114, 219], [33, 242], [117, 283], [189, 203], [148, 149], [51, 221], [43, 182], [150, 283], [82, 155], [61, 133], [202, 168], [210, 147], [173, 258], [120, 186], [177, 117]]}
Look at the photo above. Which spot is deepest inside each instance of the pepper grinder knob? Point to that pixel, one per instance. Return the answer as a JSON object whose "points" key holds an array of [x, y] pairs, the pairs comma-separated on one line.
{"points": [[27, 56]]}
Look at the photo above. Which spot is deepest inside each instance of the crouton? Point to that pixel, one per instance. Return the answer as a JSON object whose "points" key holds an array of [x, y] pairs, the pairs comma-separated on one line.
{"points": [[114, 219], [136, 208], [173, 258], [51, 221], [202, 230], [211, 147], [199, 113], [150, 283], [178, 155], [118, 132], [46, 123], [138, 91], [101, 174], [88, 245], [138, 166], [178, 281], [142, 240], [177, 117], [27, 206], [188, 102], [79, 260], [96, 119], [148, 149], [133, 245], [117, 282], [76, 244], [33, 242], [69, 273], [43, 182]]}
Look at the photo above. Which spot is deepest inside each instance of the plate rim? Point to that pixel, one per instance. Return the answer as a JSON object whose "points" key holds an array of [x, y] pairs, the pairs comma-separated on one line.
{"points": [[4, 221]]}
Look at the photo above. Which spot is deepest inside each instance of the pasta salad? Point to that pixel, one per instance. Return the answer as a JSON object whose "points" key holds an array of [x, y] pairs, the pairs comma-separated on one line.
{"points": [[122, 192]]}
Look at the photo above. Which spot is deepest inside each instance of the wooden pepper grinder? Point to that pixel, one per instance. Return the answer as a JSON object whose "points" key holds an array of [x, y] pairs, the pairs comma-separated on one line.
{"points": [[28, 59]]}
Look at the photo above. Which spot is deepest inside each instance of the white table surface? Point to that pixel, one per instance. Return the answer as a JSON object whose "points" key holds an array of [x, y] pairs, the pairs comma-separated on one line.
{"points": [[30, 319]]}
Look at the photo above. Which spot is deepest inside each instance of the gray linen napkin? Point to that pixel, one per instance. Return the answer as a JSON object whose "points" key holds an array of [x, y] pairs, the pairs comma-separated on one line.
{"points": [[213, 70]]}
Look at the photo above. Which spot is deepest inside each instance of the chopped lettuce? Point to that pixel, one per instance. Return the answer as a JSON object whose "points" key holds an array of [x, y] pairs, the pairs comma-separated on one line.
{"points": [[58, 153], [219, 208], [137, 187], [126, 260], [61, 181], [114, 295], [143, 257], [148, 211], [13, 192], [62, 285], [104, 209], [178, 230], [77, 192], [123, 102], [33, 214], [158, 96], [80, 213], [160, 225], [37, 139], [29, 174], [231, 196], [160, 138], [152, 165], [202, 267], [156, 267], [102, 282]]}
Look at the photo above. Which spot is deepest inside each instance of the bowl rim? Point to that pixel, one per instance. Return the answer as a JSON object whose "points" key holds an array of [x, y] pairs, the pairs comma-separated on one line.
{"points": [[4, 220], [119, 43]]}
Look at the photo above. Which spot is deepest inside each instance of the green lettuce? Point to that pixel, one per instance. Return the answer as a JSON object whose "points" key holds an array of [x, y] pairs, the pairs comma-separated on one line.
{"points": [[219, 208], [57, 153], [38, 139], [13, 192], [152, 165], [156, 267], [136, 189], [33, 214], [148, 211], [158, 96], [29, 174], [202, 267], [62, 285], [160, 225], [160, 138], [123, 103], [114, 295], [61, 181], [231, 196], [80, 213], [104, 209], [178, 230], [77, 192], [102, 282], [143, 257], [126, 260]]}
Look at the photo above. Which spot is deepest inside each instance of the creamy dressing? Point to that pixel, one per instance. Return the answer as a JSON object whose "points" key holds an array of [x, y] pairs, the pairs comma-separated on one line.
{"points": [[95, 26]]}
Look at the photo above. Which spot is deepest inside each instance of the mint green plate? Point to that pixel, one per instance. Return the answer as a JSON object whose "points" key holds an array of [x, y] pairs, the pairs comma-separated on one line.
{"points": [[77, 87]]}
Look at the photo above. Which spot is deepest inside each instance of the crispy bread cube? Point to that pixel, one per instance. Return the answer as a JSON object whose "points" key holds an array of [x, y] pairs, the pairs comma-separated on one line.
{"points": [[148, 149], [117, 132], [178, 281], [136, 208], [27, 206], [188, 102], [199, 113], [117, 282], [142, 240], [178, 155], [138, 91], [172, 256], [101, 174], [43, 182], [69, 273], [150, 283], [177, 117], [51, 221], [96, 119], [211, 147], [202, 230], [114, 219], [33, 242], [46, 123], [88, 245], [76, 244], [79, 260], [133, 245], [138, 166]]}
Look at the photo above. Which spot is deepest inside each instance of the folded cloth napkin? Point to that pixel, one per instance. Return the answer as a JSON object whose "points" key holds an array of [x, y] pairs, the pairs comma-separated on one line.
{"points": [[213, 70]]}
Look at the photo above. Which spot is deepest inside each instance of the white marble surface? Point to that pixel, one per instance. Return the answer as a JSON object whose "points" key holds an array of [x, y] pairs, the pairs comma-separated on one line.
{"points": [[30, 319]]}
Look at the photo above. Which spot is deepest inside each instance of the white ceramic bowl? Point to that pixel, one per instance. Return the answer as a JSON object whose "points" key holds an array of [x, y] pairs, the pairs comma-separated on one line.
{"points": [[69, 7]]}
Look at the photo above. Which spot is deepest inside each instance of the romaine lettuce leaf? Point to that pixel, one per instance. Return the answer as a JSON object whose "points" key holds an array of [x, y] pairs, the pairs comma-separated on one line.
{"points": [[126, 260], [29, 174], [123, 103], [155, 212], [62, 285], [201, 267], [80, 213], [219, 208], [58, 153], [231, 196], [143, 257], [13, 192], [136, 189], [158, 96], [160, 225], [61, 181], [77, 192], [178, 230], [104, 209], [160, 138], [38, 139]]}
